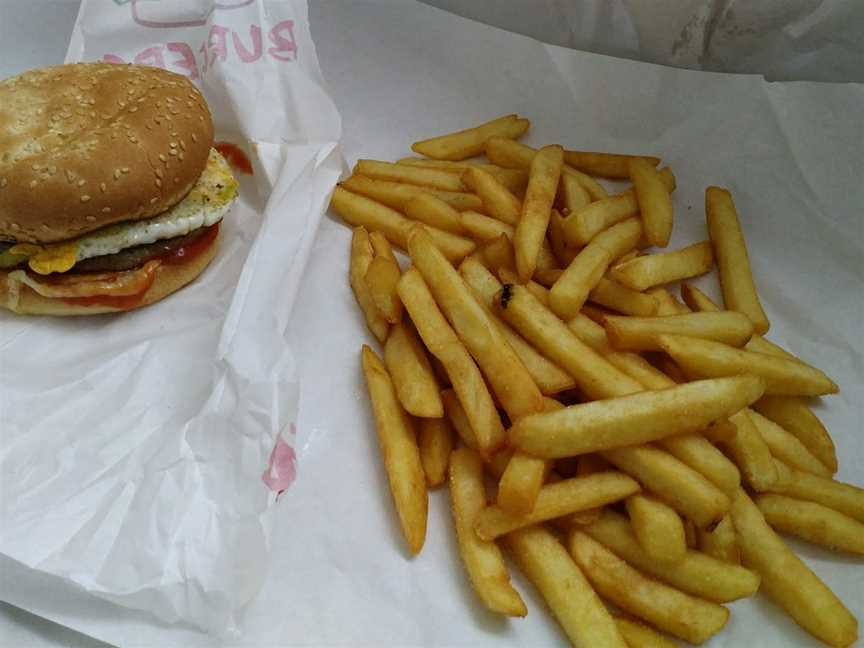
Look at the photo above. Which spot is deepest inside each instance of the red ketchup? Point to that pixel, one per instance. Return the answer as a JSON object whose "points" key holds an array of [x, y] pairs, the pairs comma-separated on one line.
{"points": [[235, 156]]}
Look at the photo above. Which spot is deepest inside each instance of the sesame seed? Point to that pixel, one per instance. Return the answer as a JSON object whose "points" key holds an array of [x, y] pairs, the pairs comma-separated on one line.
{"points": [[158, 172], [81, 183], [133, 109], [163, 158], [133, 139], [90, 218], [171, 144], [158, 182], [33, 183], [52, 169], [182, 145], [106, 210], [116, 174], [3, 182], [35, 167], [85, 198], [16, 226], [180, 156], [154, 199], [172, 152], [44, 227], [124, 169], [102, 187], [194, 137]]}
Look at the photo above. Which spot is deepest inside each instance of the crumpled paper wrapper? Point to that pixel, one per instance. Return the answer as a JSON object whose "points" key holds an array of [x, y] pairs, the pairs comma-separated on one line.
{"points": [[142, 452]]}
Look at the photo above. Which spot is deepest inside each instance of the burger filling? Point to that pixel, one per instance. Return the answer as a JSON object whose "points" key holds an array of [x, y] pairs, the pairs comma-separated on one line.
{"points": [[120, 260]]}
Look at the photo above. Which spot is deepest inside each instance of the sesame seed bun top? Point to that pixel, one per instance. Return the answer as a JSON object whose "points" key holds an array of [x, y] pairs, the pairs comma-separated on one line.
{"points": [[89, 144]]}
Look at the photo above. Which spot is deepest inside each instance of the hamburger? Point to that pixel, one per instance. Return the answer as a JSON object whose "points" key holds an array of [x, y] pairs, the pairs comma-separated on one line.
{"points": [[111, 193]]}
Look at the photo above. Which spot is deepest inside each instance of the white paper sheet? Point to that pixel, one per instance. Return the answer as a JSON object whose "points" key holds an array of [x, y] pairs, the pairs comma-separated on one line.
{"points": [[791, 153], [133, 445]]}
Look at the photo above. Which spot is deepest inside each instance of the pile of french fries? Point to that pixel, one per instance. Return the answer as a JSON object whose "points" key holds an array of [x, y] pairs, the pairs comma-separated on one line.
{"points": [[646, 452]]}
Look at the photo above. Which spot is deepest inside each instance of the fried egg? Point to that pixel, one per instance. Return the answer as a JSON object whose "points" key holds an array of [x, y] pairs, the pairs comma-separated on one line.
{"points": [[206, 204]]}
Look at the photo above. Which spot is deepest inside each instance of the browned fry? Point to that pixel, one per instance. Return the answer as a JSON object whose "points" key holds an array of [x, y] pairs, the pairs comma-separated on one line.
{"points": [[531, 228], [622, 299], [498, 201], [433, 178], [750, 452], [381, 278], [720, 542], [655, 201], [795, 416], [412, 373], [649, 270], [605, 165], [397, 195], [467, 143], [786, 447], [435, 438], [430, 210], [361, 258], [563, 251], [641, 333]]}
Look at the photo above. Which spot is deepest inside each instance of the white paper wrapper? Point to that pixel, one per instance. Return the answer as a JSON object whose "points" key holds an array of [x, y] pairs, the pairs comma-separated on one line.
{"points": [[133, 445], [791, 153]]}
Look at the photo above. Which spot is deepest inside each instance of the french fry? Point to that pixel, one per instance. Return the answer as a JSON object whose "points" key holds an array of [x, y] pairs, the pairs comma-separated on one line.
{"points": [[433, 178], [787, 580], [733, 262], [690, 532], [399, 451], [357, 210], [845, 498], [523, 478], [588, 464], [639, 369], [720, 542], [633, 419], [606, 165], [786, 447], [515, 155], [812, 522], [750, 452], [573, 602], [700, 454], [658, 528], [573, 195], [622, 299], [458, 419], [713, 359], [498, 202], [697, 573], [549, 335], [547, 278], [697, 300], [435, 439], [588, 267], [795, 416], [590, 332], [464, 375], [484, 228], [539, 198], [381, 278], [681, 487], [510, 381], [482, 559], [655, 202], [563, 251], [671, 610], [361, 258], [412, 372], [515, 180], [557, 500], [667, 305], [397, 195], [497, 254], [588, 221], [649, 270], [541, 293], [640, 333], [430, 210], [470, 142], [638, 635]]}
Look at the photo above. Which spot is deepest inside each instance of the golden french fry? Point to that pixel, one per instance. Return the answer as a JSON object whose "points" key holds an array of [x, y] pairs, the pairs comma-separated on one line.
{"points": [[541, 293], [484, 228], [622, 299], [786, 447], [720, 542], [632, 419], [655, 201], [794, 415], [536, 208], [667, 305], [381, 278], [720, 432], [549, 335], [399, 450], [606, 165], [697, 573], [700, 454], [412, 372], [435, 438], [433, 178], [557, 500], [523, 478], [697, 300], [467, 143], [361, 258], [649, 270], [590, 332], [750, 452], [787, 580], [638, 635], [658, 528], [588, 464], [458, 419], [397, 195], [573, 195], [429, 210], [358, 211], [498, 201], [671, 610], [515, 180], [482, 559], [510, 381], [442, 342], [846, 498], [690, 533], [563, 251], [547, 278], [497, 253], [639, 369], [640, 333], [730, 248], [812, 522], [681, 487], [713, 359], [573, 602]]}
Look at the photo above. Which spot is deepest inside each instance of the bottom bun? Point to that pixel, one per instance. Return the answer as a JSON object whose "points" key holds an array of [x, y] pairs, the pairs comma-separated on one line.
{"points": [[169, 279]]}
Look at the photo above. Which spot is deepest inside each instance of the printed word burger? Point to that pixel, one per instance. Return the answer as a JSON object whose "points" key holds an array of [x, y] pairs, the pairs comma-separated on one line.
{"points": [[111, 193]]}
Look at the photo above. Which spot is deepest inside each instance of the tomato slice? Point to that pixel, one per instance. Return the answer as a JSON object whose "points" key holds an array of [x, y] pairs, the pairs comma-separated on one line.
{"points": [[235, 156]]}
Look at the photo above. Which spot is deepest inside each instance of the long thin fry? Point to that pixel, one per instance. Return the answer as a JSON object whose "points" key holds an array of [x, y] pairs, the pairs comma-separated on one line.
{"points": [[470, 142], [536, 209]]}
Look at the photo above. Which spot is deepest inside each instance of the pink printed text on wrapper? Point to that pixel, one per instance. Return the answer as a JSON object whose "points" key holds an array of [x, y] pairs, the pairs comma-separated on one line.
{"points": [[222, 44], [282, 468]]}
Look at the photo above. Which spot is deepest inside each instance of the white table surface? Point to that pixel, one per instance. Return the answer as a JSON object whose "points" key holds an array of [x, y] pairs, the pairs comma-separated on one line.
{"points": [[35, 33]]}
